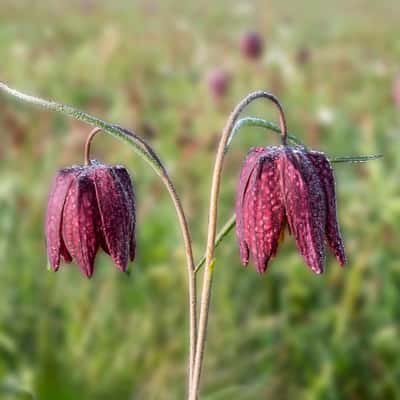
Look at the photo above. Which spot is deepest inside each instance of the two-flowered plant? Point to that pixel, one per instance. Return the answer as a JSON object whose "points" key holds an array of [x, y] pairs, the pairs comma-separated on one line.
{"points": [[92, 206]]}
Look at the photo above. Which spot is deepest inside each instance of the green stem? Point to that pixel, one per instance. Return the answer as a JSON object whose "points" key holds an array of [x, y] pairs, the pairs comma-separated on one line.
{"points": [[150, 156], [212, 223], [229, 225], [354, 159], [259, 122]]}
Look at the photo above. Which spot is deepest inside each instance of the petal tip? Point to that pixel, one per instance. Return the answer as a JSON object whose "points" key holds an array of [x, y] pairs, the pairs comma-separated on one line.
{"points": [[88, 273], [53, 268], [121, 266]]}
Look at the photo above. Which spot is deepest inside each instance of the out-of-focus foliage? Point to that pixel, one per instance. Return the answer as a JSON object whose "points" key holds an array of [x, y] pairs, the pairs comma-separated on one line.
{"points": [[285, 335]]}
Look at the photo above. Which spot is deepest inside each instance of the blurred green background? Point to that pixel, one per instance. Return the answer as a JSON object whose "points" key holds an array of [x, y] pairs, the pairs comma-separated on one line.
{"points": [[285, 335]]}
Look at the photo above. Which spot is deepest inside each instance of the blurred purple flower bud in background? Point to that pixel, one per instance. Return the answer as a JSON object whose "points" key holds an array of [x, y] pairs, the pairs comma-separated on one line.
{"points": [[218, 81], [303, 56], [251, 45]]}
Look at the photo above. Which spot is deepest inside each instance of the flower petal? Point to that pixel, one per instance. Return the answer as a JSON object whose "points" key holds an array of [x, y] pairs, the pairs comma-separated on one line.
{"points": [[53, 221], [249, 165], [264, 214], [114, 214], [332, 230], [305, 206], [127, 187], [64, 252], [80, 223]]}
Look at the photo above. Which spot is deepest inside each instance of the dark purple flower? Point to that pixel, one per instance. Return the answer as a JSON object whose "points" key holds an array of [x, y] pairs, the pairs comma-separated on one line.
{"points": [[90, 207], [283, 185], [251, 45], [218, 81]]}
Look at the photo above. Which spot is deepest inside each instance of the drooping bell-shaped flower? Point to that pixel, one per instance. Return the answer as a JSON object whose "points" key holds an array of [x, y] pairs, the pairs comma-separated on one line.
{"points": [[91, 207], [285, 185]]}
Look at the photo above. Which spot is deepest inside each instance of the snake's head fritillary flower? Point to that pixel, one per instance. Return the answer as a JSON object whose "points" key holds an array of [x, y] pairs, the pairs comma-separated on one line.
{"points": [[91, 207], [251, 45], [218, 80], [284, 185]]}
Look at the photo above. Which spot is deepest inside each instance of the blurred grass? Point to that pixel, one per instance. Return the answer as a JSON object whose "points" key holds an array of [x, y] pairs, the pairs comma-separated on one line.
{"points": [[285, 335]]}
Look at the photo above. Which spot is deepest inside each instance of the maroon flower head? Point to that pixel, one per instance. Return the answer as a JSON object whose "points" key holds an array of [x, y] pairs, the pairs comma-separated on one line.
{"points": [[218, 81], [89, 207], [284, 185], [251, 45]]}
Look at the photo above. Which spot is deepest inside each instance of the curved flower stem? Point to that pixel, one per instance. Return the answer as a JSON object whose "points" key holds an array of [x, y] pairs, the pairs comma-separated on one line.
{"points": [[88, 144], [212, 223], [149, 155], [259, 122]]}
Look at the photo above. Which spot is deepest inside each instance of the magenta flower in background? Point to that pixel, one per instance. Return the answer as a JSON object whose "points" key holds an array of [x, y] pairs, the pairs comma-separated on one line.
{"points": [[90, 207], [251, 45], [284, 185], [218, 81]]}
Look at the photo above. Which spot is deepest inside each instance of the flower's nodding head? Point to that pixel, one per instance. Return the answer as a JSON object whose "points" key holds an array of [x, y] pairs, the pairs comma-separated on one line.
{"points": [[284, 185], [252, 45], [89, 207]]}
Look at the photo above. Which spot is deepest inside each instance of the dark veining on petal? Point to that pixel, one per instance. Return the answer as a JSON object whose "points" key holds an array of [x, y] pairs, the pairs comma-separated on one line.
{"points": [[125, 180], [305, 206], [55, 206], [282, 185], [327, 178], [114, 215], [88, 207]]}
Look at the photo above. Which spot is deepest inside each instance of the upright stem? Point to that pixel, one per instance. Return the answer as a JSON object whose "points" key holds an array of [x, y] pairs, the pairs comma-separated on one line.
{"points": [[149, 155], [212, 224]]}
